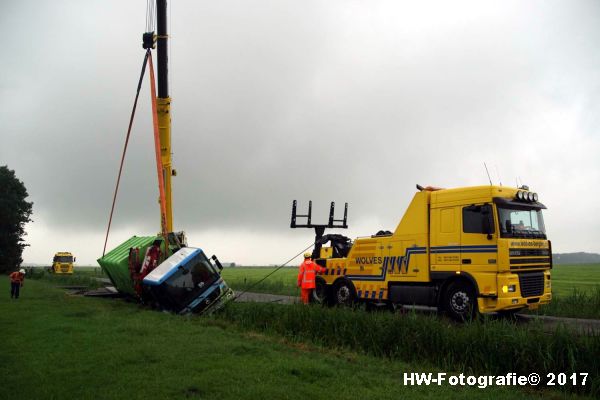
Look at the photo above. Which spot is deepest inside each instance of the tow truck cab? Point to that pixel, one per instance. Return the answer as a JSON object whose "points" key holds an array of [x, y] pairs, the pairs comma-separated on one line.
{"points": [[62, 263], [188, 282]]}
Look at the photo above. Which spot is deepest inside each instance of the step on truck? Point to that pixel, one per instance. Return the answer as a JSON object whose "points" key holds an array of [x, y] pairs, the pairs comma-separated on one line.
{"points": [[464, 250]]}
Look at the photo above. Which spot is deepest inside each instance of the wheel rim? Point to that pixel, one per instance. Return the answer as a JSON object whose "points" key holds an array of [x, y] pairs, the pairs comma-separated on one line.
{"points": [[343, 294], [460, 302]]}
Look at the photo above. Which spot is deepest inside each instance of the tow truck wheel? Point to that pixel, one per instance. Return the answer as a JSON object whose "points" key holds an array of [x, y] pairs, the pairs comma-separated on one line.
{"points": [[460, 302], [319, 295], [343, 293]]}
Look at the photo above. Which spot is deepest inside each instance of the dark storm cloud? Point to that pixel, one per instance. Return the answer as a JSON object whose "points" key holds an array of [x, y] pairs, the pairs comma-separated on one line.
{"points": [[275, 101]]}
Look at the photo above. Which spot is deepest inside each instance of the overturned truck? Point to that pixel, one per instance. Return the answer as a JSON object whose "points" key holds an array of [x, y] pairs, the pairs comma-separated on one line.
{"points": [[175, 278]]}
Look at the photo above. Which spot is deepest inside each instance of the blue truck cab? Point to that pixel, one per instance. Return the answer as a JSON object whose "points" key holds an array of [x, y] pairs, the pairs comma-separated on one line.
{"points": [[188, 282]]}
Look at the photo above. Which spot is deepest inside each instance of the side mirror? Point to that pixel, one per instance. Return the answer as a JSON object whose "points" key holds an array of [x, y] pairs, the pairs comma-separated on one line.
{"points": [[217, 262], [488, 221], [74, 259]]}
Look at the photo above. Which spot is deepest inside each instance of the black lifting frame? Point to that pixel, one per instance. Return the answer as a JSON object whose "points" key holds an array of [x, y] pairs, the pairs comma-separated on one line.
{"points": [[319, 228]]}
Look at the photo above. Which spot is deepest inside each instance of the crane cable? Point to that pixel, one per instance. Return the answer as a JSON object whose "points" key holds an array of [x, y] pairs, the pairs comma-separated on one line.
{"points": [[272, 272], [137, 95]]}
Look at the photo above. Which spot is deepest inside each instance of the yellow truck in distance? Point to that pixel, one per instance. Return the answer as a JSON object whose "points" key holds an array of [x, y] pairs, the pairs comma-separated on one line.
{"points": [[62, 263], [465, 250]]}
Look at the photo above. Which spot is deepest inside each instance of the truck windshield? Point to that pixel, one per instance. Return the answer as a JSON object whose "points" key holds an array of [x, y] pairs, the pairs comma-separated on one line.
{"points": [[63, 259], [187, 284], [521, 223]]}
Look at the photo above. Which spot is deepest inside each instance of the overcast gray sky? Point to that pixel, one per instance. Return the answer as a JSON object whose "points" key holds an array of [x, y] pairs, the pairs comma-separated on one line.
{"points": [[279, 100]]}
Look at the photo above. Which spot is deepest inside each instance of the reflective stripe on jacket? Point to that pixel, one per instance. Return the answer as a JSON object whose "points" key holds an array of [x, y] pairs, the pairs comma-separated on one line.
{"points": [[307, 274]]}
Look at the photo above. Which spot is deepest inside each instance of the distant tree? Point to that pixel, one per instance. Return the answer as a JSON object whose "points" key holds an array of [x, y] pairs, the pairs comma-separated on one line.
{"points": [[15, 212]]}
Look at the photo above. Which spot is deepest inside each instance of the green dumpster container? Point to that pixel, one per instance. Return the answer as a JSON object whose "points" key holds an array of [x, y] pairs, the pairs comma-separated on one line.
{"points": [[115, 263]]}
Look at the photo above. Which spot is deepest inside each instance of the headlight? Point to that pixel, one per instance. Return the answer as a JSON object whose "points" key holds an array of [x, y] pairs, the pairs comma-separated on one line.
{"points": [[535, 197], [509, 288], [529, 196], [519, 195]]}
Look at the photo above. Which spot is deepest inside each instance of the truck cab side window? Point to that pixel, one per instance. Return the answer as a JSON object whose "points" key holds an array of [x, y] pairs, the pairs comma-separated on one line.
{"points": [[478, 219]]}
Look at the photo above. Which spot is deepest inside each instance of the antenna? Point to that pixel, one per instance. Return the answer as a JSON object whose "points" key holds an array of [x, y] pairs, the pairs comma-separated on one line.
{"points": [[488, 173]]}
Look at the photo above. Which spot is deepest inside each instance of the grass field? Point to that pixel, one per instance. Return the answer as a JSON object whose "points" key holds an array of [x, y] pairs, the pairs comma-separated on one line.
{"points": [[584, 278], [576, 288], [56, 346], [281, 282]]}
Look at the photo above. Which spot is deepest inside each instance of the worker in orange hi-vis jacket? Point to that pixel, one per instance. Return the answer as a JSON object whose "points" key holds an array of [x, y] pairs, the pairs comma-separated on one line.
{"points": [[151, 259], [16, 282], [307, 277]]}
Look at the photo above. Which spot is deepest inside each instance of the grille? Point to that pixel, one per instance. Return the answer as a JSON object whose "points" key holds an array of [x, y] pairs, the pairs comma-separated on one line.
{"points": [[528, 252], [530, 261], [531, 283]]}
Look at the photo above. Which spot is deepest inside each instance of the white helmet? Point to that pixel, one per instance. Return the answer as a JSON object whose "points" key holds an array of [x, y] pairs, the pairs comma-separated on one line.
{"points": [[22, 271]]}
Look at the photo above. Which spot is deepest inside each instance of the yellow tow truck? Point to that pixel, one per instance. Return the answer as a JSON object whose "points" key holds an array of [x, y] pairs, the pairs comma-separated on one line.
{"points": [[62, 263], [465, 250]]}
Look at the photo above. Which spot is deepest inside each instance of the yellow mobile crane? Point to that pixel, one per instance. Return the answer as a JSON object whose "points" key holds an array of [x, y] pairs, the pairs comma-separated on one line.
{"points": [[464, 250], [163, 108], [161, 269]]}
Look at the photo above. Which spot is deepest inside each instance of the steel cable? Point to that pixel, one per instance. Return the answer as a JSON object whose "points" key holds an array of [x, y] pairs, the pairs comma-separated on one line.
{"points": [[272, 272]]}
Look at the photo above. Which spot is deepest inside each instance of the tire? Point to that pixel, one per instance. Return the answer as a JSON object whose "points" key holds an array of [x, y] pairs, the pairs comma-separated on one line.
{"points": [[320, 295], [393, 308], [460, 301], [344, 293]]}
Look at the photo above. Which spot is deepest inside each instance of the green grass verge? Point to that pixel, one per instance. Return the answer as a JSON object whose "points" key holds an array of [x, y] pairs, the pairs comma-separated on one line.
{"points": [[56, 346], [483, 347], [577, 304]]}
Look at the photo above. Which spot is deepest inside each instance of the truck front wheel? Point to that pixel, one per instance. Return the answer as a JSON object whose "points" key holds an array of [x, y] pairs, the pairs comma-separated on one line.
{"points": [[459, 301]]}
